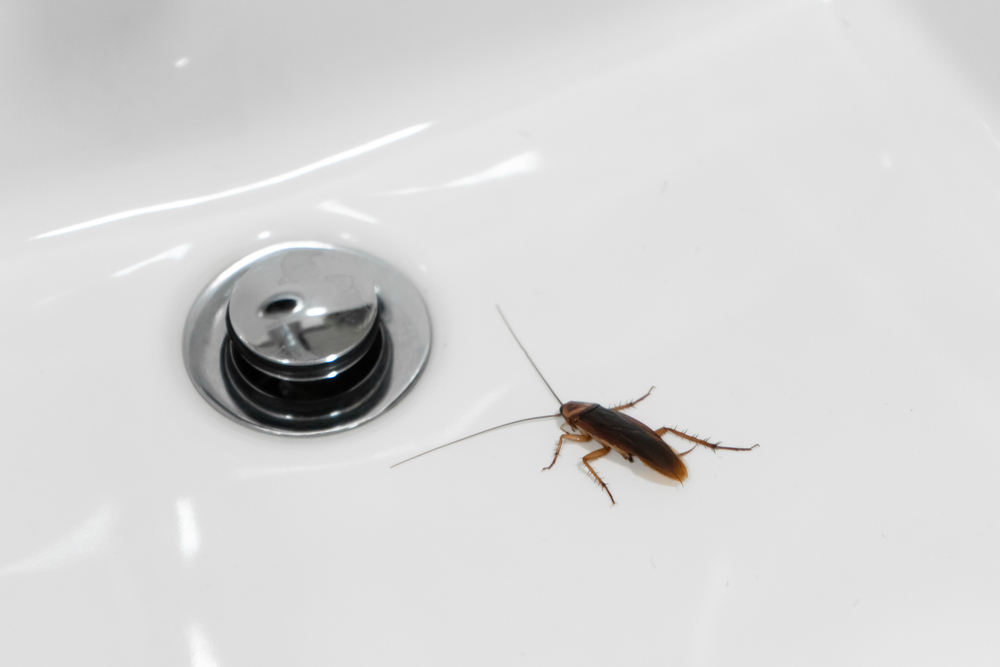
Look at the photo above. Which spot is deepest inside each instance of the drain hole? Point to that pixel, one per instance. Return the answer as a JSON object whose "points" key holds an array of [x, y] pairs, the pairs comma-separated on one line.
{"points": [[308, 404], [279, 307]]}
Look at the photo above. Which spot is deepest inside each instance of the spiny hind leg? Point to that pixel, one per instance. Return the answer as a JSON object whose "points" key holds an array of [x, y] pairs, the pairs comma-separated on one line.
{"points": [[575, 437], [593, 456], [626, 406], [699, 441], [661, 431]]}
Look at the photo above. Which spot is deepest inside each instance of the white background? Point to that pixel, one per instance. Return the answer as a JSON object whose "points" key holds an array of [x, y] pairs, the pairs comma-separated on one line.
{"points": [[782, 214]]}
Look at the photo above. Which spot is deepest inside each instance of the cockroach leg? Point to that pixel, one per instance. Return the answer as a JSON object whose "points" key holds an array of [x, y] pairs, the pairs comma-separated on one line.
{"points": [[575, 437], [661, 431], [593, 456], [626, 406], [699, 441]]}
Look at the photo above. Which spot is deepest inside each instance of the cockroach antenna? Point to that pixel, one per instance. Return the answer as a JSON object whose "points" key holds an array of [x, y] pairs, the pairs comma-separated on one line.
{"points": [[517, 421], [518, 341]]}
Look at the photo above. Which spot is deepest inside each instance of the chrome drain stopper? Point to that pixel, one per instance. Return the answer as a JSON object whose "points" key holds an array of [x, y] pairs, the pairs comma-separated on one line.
{"points": [[306, 338]]}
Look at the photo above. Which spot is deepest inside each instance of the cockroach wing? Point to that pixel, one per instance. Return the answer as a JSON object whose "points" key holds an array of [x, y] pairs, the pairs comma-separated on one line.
{"points": [[631, 437]]}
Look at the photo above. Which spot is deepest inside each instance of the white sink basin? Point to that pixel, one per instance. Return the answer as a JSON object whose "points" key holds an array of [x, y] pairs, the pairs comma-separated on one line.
{"points": [[780, 213]]}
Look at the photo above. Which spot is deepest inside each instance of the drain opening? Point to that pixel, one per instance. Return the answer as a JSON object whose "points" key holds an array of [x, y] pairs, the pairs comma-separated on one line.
{"points": [[308, 404]]}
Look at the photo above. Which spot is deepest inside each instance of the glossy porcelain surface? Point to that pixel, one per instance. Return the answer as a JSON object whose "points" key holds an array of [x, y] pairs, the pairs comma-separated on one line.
{"points": [[783, 214]]}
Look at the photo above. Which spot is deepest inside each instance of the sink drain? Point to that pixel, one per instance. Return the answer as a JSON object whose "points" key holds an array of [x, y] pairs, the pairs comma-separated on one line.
{"points": [[306, 338]]}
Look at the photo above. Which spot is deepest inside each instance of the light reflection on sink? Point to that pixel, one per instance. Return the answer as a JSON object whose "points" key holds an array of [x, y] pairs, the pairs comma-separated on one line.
{"points": [[242, 189]]}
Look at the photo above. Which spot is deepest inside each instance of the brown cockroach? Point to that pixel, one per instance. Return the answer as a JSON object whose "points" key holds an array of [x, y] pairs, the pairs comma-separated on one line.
{"points": [[611, 429]]}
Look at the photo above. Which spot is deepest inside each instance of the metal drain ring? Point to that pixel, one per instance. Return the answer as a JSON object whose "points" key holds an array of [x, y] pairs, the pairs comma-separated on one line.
{"points": [[403, 329]]}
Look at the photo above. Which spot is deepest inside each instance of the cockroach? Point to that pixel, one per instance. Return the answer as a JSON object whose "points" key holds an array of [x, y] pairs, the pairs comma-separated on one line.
{"points": [[611, 429]]}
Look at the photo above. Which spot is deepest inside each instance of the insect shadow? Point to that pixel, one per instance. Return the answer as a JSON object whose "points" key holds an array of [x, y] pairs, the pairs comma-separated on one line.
{"points": [[612, 429]]}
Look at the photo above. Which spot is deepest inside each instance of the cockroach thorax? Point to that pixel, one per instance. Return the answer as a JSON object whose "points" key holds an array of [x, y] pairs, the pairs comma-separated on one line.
{"points": [[572, 410]]}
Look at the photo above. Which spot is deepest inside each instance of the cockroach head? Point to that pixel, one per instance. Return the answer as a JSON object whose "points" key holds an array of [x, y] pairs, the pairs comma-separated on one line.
{"points": [[572, 410]]}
